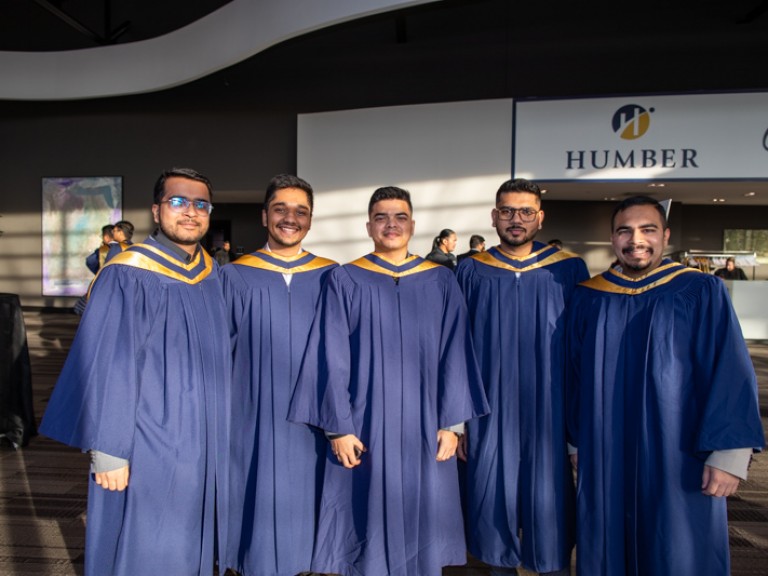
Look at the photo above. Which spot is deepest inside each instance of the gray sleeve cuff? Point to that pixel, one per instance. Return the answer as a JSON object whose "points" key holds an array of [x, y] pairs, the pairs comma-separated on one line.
{"points": [[101, 462], [734, 461], [456, 429], [572, 449]]}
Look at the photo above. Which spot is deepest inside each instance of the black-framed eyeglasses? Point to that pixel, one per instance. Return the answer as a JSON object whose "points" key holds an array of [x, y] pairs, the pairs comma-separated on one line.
{"points": [[526, 214], [179, 204]]}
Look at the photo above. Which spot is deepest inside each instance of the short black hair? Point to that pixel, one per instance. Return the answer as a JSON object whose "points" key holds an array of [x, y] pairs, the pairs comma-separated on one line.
{"points": [[187, 173], [126, 227], [518, 185], [475, 240], [639, 201], [107, 230], [389, 193], [283, 181]]}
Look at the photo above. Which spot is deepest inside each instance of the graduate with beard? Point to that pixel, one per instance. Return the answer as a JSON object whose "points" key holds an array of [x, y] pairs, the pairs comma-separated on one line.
{"points": [[389, 369], [662, 406], [144, 389], [519, 484], [276, 466]]}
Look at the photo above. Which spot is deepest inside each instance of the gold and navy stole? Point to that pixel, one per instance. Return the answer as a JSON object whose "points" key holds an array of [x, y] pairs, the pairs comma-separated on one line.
{"points": [[148, 257], [413, 264], [103, 251], [543, 255], [264, 260], [614, 281]]}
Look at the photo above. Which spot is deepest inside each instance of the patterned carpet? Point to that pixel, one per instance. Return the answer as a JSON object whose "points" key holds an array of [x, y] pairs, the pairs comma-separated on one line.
{"points": [[43, 486]]}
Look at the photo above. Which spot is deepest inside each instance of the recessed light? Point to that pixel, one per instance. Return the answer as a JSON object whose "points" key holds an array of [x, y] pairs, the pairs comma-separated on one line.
{"points": [[750, 194], [656, 185], [718, 199]]}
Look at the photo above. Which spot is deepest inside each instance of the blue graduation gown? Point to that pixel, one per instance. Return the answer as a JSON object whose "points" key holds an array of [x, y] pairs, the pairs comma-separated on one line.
{"points": [[146, 379], [275, 465], [390, 360], [116, 248], [96, 259], [518, 473], [660, 377]]}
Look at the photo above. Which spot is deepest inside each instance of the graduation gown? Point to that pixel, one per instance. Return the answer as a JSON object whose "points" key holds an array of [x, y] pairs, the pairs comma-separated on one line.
{"points": [[146, 380], [660, 377], [275, 465], [390, 360], [518, 473]]}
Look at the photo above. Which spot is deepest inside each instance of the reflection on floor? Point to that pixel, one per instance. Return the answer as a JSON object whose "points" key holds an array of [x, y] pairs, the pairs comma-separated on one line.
{"points": [[43, 486]]}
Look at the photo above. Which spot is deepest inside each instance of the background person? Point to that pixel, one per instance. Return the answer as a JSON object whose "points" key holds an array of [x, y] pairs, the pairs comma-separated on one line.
{"points": [[442, 249], [731, 271], [223, 254], [476, 245], [122, 233], [96, 259]]}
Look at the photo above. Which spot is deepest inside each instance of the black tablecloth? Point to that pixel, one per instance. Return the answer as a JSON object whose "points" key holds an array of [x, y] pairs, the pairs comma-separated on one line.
{"points": [[17, 418]]}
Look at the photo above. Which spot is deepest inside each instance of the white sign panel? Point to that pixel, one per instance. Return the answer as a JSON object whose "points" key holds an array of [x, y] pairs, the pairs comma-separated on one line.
{"points": [[687, 137]]}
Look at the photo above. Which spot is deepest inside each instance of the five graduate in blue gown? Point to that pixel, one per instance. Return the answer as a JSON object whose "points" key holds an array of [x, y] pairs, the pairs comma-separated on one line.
{"points": [[292, 415]]}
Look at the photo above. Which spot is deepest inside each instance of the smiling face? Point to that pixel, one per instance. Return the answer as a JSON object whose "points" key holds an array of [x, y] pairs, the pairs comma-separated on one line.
{"points": [[390, 227], [187, 227], [287, 219], [516, 235], [639, 239]]}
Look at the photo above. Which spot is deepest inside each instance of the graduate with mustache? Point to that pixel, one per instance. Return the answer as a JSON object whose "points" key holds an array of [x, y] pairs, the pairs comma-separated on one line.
{"points": [[662, 407]]}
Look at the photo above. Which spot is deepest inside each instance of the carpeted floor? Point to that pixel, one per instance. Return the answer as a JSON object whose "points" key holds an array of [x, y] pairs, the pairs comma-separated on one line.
{"points": [[43, 486]]}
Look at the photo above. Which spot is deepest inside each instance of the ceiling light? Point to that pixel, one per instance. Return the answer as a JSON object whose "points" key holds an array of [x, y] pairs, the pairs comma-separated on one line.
{"points": [[656, 185], [750, 194]]}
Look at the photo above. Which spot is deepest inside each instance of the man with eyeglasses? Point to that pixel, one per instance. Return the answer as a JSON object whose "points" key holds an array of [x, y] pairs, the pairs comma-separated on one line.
{"points": [[389, 369], [145, 389], [276, 466], [519, 484]]}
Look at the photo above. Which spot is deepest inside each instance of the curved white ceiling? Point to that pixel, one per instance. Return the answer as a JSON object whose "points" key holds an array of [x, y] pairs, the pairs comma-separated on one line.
{"points": [[225, 37]]}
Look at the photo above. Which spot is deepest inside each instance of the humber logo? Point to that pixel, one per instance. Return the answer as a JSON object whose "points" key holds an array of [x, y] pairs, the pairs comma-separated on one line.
{"points": [[630, 122]]}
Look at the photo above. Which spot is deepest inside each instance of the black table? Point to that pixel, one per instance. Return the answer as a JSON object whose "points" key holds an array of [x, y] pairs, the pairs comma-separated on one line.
{"points": [[17, 418]]}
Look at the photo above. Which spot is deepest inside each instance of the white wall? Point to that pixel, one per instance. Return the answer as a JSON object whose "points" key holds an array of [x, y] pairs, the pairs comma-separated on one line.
{"points": [[451, 157]]}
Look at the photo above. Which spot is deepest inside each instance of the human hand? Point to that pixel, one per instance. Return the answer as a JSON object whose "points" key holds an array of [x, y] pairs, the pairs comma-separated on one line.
{"points": [[348, 450], [114, 480], [718, 483], [447, 442]]}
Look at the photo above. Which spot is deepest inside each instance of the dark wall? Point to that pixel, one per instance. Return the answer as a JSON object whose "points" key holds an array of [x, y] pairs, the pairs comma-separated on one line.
{"points": [[236, 151], [704, 225], [246, 230]]}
